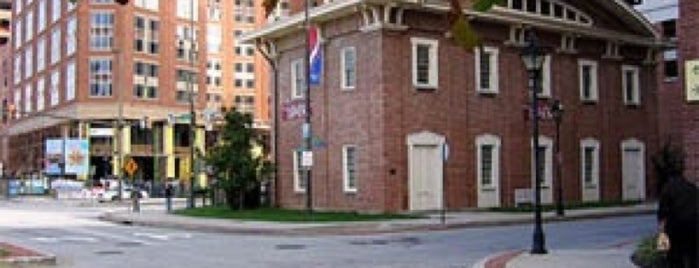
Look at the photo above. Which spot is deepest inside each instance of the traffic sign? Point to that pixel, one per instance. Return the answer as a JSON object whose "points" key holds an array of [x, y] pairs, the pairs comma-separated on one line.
{"points": [[131, 167]]}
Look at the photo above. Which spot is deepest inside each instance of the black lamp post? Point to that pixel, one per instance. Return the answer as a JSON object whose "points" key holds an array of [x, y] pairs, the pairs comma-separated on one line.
{"points": [[557, 114], [533, 58]]}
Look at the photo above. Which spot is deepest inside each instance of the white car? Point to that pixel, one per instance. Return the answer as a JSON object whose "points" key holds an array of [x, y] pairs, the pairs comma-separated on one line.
{"points": [[112, 194]]}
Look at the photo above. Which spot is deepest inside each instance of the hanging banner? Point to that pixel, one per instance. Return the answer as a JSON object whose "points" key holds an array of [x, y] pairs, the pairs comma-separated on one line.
{"points": [[77, 157], [316, 58], [692, 80], [54, 156]]}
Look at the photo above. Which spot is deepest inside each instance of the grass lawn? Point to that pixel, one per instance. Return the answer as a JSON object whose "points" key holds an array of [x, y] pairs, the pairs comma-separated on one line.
{"points": [[4, 252], [552, 207], [286, 215]]}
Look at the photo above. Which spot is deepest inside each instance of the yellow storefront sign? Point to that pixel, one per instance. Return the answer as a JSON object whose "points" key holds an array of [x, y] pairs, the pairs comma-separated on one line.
{"points": [[692, 80]]}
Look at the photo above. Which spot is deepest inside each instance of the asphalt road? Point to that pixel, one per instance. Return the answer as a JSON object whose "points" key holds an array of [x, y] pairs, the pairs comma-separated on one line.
{"points": [[79, 240]]}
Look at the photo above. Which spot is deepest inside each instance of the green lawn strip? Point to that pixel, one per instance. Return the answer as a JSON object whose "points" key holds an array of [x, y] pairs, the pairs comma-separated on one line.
{"points": [[4, 252], [571, 206], [286, 215]]}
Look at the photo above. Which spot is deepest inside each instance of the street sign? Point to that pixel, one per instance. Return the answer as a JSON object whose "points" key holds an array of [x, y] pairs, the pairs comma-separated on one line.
{"points": [[131, 167], [307, 159]]}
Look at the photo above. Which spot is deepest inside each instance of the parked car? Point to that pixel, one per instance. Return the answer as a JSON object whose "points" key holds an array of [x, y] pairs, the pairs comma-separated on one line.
{"points": [[113, 193]]}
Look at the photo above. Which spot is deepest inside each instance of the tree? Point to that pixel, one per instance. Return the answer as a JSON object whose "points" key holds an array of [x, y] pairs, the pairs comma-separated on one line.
{"points": [[237, 161], [460, 29]]}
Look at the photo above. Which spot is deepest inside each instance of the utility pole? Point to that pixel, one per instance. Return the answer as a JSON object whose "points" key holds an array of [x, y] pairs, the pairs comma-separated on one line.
{"points": [[192, 113], [307, 130]]}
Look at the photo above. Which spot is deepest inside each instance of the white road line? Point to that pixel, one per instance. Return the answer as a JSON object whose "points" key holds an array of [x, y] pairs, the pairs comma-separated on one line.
{"points": [[112, 236]]}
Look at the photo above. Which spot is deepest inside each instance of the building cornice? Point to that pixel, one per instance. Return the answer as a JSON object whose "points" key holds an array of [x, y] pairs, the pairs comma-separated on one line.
{"points": [[334, 10]]}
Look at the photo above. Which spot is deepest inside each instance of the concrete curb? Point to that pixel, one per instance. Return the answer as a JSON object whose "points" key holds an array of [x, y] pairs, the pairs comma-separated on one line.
{"points": [[27, 256], [243, 227]]}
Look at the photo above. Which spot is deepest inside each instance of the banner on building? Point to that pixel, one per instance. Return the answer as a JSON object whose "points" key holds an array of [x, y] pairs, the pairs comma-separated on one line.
{"points": [[77, 157], [316, 58], [692, 80], [53, 157]]}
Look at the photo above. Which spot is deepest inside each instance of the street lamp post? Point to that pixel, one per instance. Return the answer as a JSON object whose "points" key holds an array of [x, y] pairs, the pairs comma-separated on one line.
{"points": [[307, 122], [192, 113], [557, 114], [533, 59]]}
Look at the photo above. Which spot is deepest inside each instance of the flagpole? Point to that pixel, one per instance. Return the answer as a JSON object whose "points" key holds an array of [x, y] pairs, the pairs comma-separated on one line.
{"points": [[307, 122]]}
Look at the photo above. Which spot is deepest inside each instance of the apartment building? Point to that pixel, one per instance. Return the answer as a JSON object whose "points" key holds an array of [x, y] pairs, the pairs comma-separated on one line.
{"points": [[396, 91], [78, 68]]}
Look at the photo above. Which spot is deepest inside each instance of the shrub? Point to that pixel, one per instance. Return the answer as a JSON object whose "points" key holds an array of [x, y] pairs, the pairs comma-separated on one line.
{"points": [[646, 255]]}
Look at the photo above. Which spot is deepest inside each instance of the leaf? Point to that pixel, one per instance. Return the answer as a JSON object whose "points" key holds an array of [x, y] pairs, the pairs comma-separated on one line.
{"points": [[463, 34], [485, 5]]}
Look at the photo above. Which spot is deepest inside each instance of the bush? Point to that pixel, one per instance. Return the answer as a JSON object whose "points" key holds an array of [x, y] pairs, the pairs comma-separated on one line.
{"points": [[646, 255]]}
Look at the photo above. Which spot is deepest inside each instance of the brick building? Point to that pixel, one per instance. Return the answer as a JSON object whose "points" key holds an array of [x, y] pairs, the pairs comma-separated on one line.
{"points": [[395, 90], [688, 36], [77, 68]]}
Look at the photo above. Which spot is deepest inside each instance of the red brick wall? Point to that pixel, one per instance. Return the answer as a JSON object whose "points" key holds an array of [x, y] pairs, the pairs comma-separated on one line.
{"points": [[688, 35], [385, 108]]}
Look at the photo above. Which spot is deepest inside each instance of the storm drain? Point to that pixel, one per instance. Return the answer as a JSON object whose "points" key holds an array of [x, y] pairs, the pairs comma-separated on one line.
{"points": [[109, 252], [290, 246]]}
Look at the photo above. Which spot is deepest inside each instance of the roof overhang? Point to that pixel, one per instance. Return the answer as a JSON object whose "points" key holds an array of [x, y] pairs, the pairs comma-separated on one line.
{"points": [[334, 10]]}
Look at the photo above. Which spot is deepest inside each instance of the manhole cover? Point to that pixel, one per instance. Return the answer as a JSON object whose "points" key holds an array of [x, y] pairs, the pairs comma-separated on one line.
{"points": [[109, 252], [129, 244], [290, 246]]}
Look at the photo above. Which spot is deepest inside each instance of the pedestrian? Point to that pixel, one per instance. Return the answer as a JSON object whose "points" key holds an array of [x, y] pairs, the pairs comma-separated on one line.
{"points": [[168, 197], [677, 219]]}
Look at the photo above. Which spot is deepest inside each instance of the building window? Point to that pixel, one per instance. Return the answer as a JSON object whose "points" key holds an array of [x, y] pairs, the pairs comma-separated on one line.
{"points": [[186, 45], [30, 25], [17, 33], [245, 104], [100, 77], [147, 33], [185, 11], [55, 45], [425, 69], [28, 62], [546, 161], [670, 66], [488, 161], [589, 166], [145, 80], [213, 38], [148, 4], [186, 81], [298, 79], [588, 80], [18, 68], [40, 54], [630, 85], [71, 36], [101, 30], [487, 70], [54, 89], [299, 175], [349, 67], [544, 89], [669, 29], [349, 168], [41, 16], [70, 80], [40, 94], [55, 10], [28, 98]]}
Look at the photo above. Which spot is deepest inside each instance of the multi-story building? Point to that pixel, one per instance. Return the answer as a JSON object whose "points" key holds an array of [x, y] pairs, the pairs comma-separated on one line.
{"points": [[677, 22], [396, 89], [6, 68], [80, 68]]}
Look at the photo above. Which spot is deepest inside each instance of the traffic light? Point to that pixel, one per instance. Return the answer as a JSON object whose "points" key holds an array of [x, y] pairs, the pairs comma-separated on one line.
{"points": [[122, 2]]}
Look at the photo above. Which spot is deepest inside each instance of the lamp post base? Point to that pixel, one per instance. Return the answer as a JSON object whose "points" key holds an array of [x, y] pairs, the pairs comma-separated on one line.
{"points": [[538, 247]]}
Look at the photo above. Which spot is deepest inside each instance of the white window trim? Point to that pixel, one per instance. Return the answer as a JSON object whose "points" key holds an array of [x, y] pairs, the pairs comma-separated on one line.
{"points": [[345, 174], [433, 73], [546, 78], [343, 70], [494, 67], [488, 139], [296, 93], [586, 143], [297, 178], [548, 161], [594, 80], [636, 85]]}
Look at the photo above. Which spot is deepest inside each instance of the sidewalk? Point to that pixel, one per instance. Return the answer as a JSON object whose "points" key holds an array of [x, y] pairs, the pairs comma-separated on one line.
{"points": [[613, 257], [155, 216]]}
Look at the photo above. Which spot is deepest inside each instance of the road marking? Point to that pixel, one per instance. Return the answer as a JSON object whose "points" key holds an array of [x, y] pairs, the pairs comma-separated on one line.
{"points": [[153, 236], [66, 239]]}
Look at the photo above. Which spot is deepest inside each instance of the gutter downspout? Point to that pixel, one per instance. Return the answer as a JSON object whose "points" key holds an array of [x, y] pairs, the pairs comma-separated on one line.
{"points": [[275, 143]]}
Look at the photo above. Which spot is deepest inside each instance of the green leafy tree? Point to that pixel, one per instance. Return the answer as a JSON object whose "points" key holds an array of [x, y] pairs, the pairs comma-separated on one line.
{"points": [[461, 31], [237, 160]]}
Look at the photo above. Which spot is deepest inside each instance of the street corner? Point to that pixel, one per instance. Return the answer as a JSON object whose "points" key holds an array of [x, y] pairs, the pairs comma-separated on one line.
{"points": [[14, 254], [498, 260]]}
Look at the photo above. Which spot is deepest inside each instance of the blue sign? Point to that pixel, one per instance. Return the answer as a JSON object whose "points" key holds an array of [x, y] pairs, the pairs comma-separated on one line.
{"points": [[54, 156]]}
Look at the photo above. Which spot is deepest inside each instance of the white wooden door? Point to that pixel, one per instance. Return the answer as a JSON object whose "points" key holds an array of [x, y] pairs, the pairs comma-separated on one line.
{"points": [[633, 177], [425, 177]]}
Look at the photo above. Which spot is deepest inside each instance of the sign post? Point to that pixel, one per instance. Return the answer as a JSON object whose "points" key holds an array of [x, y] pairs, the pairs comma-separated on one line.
{"points": [[130, 169]]}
